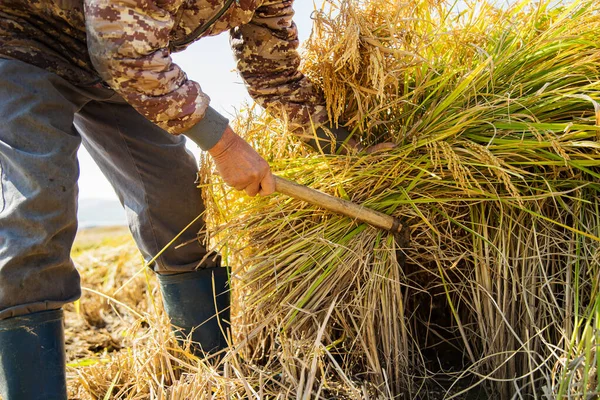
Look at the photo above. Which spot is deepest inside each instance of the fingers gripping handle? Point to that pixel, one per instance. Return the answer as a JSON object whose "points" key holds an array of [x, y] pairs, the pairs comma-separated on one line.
{"points": [[337, 205]]}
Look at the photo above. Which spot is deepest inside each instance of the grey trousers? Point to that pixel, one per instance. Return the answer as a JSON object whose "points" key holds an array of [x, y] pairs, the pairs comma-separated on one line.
{"points": [[43, 120]]}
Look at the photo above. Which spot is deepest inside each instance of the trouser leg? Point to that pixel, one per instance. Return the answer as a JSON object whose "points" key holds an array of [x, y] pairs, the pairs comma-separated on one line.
{"points": [[38, 189], [154, 177], [38, 193]]}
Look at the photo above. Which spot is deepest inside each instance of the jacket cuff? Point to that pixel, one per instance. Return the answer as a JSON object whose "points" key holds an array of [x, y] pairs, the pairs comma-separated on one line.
{"points": [[323, 139], [208, 131]]}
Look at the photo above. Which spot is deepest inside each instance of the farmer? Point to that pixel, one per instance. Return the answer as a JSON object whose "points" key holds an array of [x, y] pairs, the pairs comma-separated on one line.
{"points": [[99, 72]]}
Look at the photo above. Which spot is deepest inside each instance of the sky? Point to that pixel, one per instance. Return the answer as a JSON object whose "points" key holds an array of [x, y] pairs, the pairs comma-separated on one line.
{"points": [[209, 62]]}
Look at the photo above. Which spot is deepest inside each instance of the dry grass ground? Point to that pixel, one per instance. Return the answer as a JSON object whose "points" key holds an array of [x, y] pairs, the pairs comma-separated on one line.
{"points": [[98, 329]]}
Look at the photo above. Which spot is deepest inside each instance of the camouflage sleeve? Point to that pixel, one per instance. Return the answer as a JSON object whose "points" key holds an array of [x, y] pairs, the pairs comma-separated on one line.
{"points": [[267, 59], [128, 43]]}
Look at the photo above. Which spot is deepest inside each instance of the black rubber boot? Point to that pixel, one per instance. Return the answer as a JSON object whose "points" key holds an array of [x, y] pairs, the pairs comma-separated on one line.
{"points": [[190, 302], [32, 357]]}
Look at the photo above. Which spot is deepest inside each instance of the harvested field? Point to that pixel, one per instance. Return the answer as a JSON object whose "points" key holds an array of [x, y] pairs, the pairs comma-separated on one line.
{"points": [[496, 172]]}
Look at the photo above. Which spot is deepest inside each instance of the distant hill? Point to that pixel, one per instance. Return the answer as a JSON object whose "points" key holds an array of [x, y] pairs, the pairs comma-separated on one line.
{"points": [[100, 212]]}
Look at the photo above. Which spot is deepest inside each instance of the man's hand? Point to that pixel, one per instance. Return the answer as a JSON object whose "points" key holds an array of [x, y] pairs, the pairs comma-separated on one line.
{"points": [[345, 144], [241, 166], [353, 144]]}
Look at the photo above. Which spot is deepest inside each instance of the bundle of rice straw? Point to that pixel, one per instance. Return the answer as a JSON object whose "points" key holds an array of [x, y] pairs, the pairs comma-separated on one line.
{"points": [[497, 171]]}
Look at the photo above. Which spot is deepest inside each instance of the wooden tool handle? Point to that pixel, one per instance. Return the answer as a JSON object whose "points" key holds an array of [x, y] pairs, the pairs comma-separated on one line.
{"points": [[337, 205]]}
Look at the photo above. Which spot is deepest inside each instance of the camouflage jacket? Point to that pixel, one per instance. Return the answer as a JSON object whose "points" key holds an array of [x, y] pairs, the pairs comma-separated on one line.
{"points": [[128, 44]]}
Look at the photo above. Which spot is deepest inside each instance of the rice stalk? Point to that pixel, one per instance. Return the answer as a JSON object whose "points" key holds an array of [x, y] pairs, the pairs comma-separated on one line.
{"points": [[495, 115]]}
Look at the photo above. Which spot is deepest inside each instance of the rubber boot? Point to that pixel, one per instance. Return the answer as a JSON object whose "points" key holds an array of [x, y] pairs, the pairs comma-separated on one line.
{"points": [[192, 306], [32, 357]]}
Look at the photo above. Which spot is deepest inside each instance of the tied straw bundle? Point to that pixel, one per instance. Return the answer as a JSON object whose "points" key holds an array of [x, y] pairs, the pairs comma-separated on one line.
{"points": [[497, 170]]}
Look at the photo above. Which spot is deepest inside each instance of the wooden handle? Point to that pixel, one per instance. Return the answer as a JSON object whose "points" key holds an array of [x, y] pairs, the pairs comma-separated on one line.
{"points": [[337, 205]]}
